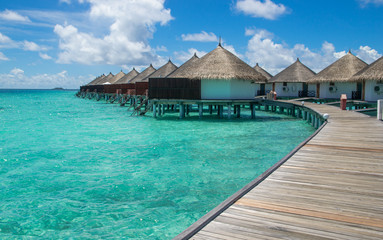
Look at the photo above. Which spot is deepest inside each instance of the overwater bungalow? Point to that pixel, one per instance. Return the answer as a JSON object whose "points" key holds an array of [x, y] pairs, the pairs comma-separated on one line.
{"points": [[103, 80], [264, 88], [143, 85], [292, 81], [335, 80], [97, 84], [95, 80], [219, 75], [122, 84], [372, 79]]}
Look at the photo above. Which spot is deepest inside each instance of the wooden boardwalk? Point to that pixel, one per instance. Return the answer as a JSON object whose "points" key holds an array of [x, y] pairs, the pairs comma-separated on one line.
{"points": [[332, 188]]}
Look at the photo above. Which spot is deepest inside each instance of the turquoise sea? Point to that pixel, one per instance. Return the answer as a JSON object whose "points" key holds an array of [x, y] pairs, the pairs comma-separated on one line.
{"points": [[74, 168]]}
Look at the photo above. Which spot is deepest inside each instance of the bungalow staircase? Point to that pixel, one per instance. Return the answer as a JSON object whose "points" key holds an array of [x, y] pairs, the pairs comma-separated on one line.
{"points": [[137, 110]]}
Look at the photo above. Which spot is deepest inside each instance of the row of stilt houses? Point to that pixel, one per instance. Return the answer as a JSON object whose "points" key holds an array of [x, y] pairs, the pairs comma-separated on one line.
{"points": [[220, 75]]}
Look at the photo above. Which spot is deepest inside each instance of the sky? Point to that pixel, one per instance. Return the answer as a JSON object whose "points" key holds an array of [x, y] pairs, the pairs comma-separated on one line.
{"points": [[67, 43]]}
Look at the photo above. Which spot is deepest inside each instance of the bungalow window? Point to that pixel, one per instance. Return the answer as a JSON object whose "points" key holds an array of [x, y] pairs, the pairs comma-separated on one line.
{"points": [[379, 82], [285, 84], [332, 84]]}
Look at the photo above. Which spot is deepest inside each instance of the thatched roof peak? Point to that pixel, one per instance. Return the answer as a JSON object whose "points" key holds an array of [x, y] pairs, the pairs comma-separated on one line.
{"points": [[116, 77], [296, 72], [341, 70], [103, 80], [95, 80], [263, 72], [127, 77], [162, 72], [372, 72], [184, 68], [144, 74], [221, 64]]}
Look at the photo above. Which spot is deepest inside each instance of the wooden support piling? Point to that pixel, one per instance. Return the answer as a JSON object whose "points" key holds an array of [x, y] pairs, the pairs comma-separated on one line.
{"points": [[229, 111], [238, 111]]}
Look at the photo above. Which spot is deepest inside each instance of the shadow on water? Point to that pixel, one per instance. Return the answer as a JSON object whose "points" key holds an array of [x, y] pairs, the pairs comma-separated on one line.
{"points": [[215, 118]]}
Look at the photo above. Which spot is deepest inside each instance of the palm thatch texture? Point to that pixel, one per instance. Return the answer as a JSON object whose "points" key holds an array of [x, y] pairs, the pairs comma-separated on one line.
{"points": [[144, 74], [372, 72], [341, 70], [162, 72], [221, 64], [129, 76], [115, 78], [296, 72], [105, 79], [96, 80], [184, 68], [263, 72]]}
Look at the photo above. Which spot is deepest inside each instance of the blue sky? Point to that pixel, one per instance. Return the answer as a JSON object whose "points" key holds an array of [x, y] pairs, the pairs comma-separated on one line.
{"points": [[67, 43]]}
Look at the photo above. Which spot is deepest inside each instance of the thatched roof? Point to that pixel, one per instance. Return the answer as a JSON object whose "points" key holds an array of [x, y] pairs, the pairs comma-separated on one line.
{"points": [[144, 74], [105, 79], [296, 72], [96, 80], [372, 72], [115, 78], [129, 76], [341, 70], [162, 72], [184, 68], [263, 72], [222, 64]]}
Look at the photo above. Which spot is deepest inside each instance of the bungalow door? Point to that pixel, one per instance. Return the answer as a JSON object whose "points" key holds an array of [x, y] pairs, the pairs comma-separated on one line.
{"points": [[305, 89], [262, 89], [357, 95]]}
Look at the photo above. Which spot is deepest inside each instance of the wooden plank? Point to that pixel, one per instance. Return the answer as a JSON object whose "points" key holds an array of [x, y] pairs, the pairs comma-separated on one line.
{"points": [[332, 188]]}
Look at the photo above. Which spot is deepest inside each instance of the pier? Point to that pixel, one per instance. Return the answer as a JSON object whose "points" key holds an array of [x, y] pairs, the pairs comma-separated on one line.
{"points": [[329, 187]]}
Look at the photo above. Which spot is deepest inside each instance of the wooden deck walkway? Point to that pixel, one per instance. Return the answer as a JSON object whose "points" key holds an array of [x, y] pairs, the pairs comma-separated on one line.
{"points": [[332, 188]]}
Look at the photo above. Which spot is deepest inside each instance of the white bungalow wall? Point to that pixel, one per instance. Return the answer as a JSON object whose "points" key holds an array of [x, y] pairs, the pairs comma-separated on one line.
{"points": [[370, 93], [341, 88], [268, 87], [293, 89], [227, 89]]}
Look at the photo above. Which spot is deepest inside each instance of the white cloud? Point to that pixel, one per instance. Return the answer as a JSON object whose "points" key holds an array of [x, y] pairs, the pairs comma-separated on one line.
{"points": [[277, 56], [366, 2], [4, 39], [261, 9], [13, 16], [31, 46], [6, 42], [200, 37], [183, 56], [45, 56], [17, 72], [161, 49], [132, 25], [368, 54], [17, 78], [231, 49], [3, 57], [65, 1]]}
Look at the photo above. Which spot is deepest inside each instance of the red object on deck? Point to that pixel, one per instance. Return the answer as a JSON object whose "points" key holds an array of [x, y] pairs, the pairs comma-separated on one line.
{"points": [[275, 95], [343, 101]]}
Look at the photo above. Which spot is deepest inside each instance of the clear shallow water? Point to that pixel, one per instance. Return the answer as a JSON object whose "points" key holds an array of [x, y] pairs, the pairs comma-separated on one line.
{"points": [[78, 168]]}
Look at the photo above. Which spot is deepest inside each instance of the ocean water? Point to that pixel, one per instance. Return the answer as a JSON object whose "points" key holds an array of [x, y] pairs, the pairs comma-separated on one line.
{"points": [[74, 168]]}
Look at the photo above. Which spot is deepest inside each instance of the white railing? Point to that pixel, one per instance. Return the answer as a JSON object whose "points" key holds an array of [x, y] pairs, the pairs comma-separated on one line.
{"points": [[379, 109]]}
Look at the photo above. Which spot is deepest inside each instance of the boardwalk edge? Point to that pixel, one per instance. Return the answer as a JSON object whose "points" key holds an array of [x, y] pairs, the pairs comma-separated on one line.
{"points": [[210, 216]]}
